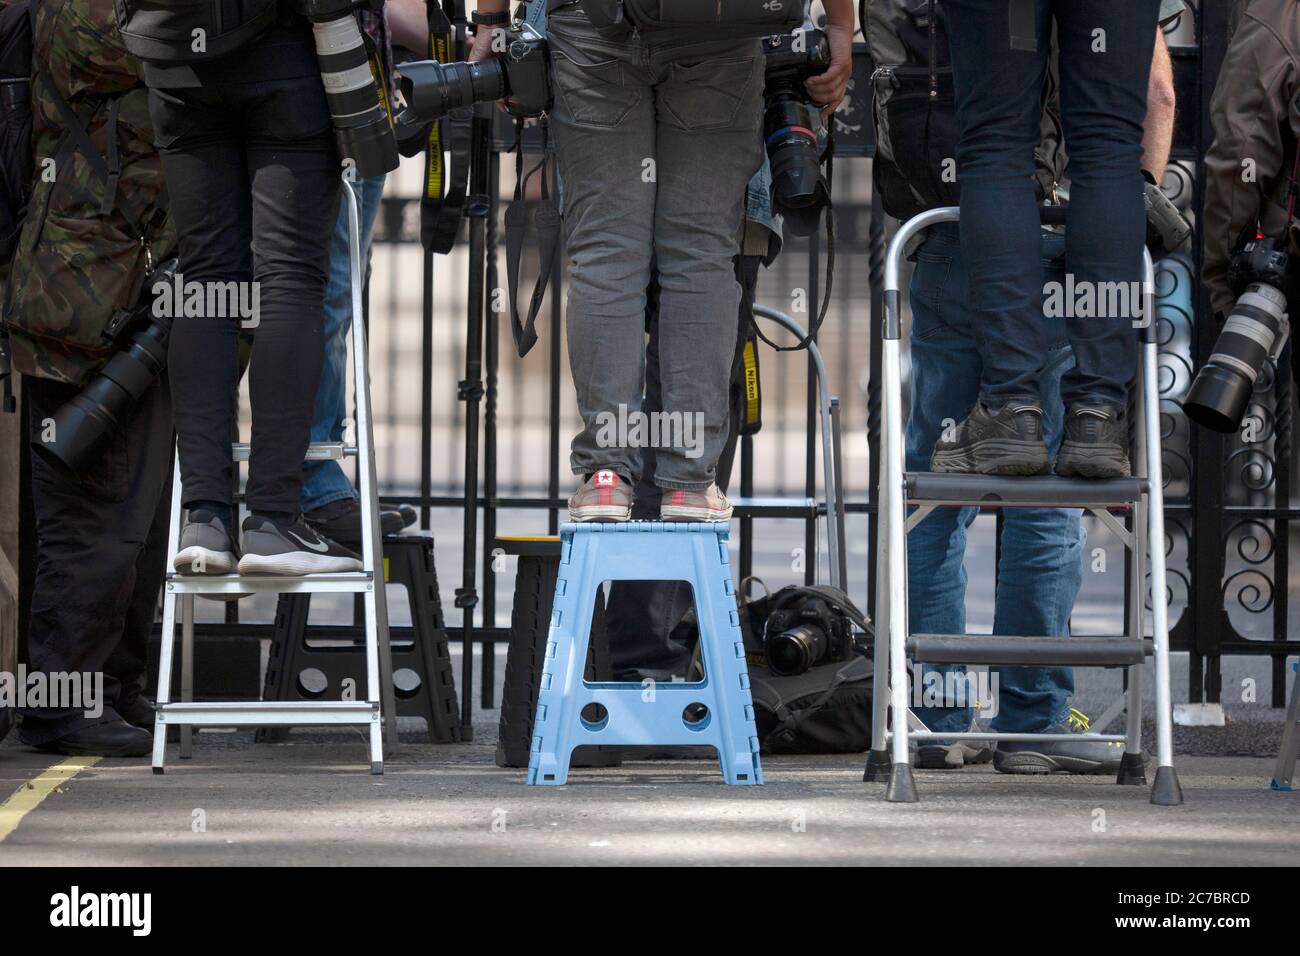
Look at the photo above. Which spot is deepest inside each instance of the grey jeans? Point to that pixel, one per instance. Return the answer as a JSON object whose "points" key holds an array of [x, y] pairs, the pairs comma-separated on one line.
{"points": [[655, 144]]}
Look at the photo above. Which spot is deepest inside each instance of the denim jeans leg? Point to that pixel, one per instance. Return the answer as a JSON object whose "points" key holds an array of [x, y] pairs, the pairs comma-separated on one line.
{"points": [[709, 145], [999, 113], [1039, 577], [1103, 106], [654, 146], [945, 384], [325, 481]]}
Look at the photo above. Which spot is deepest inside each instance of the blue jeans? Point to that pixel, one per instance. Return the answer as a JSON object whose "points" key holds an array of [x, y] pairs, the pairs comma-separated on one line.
{"points": [[1105, 49], [1041, 565], [324, 481]]}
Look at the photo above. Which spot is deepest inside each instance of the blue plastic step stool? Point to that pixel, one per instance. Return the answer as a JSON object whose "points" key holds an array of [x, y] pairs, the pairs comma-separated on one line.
{"points": [[636, 713]]}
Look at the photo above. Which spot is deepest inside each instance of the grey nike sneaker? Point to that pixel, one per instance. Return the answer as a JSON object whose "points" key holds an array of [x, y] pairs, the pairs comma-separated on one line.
{"points": [[1095, 443], [273, 548], [704, 506], [1069, 756], [206, 545], [1008, 441], [603, 496]]}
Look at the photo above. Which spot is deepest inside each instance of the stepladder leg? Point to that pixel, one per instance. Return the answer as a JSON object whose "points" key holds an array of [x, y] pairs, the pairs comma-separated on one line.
{"points": [[1165, 790], [1132, 766], [376, 745], [1286, 757], [186, 750], [168, 637]]}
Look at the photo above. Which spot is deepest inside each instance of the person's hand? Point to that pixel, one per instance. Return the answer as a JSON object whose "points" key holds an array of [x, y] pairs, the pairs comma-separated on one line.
{"points": [[481, 48], [828, 89]]}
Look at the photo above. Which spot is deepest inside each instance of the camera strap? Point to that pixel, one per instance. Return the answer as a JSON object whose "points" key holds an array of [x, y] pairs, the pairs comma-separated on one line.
{"points": [[442, 200], [541, 217]]}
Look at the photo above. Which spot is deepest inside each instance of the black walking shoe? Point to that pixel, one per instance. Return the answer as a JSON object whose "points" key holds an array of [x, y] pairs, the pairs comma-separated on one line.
{"points": [[116, 738], [138, 712], [1008, 441], [936, 755], [1064, 756], [273, 548], [341, 520], [1095, 445], [206, 545]]}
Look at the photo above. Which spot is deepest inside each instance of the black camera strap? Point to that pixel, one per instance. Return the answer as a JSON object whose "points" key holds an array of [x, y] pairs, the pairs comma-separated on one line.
{"points": [[442, 200], [542, 218]]}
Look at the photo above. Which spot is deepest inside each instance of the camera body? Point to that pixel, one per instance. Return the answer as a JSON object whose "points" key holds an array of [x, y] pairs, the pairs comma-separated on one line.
{"points": [[521, 76], [790, 124], [1262, 259], [1255, 333], [806, 628]]}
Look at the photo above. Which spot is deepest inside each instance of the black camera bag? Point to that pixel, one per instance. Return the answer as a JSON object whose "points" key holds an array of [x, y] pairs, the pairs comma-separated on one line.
{"points": [[715, 19], [826, 709], [190, 31]]}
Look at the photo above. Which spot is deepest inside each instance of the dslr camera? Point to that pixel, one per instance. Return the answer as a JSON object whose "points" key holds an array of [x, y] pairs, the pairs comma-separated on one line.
{"points": [[790, 123], [521, 77], [806, 627], [1255, 332]]}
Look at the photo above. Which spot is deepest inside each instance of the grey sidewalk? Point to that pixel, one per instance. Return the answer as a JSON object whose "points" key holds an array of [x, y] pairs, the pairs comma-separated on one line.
{"points": [[311, 801]]}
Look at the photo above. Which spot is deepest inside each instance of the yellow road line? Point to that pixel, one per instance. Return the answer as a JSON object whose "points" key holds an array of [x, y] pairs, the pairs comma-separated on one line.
{"points": [[29, 796]]}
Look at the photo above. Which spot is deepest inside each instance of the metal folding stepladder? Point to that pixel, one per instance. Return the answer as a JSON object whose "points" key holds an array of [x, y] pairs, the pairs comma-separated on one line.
{"points": [[375, 710], [1141, 496]]}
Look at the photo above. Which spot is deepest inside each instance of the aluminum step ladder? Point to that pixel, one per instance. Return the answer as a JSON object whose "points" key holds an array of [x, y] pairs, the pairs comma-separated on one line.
{"points": [[893, 724], [376, 711]]}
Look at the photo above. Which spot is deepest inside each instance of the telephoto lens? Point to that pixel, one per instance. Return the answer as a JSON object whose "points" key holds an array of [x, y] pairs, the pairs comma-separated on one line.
{"points": [[1255, 332], [83, 428], [361, 123], [792, 652], [520, 77], [432, 89]]}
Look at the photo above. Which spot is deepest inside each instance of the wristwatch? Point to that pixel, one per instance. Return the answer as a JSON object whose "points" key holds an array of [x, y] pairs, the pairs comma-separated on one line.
{"points": [[500, 18]]}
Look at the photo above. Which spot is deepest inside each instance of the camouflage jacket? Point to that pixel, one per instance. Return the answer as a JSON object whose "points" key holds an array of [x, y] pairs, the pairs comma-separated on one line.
{"points": [[77, 263]]}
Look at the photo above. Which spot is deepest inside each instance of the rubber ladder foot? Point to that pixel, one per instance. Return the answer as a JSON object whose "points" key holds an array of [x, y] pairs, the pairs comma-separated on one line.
{"points": [[878, 765], [1132, 771], [902, 785], [1166, 792]]}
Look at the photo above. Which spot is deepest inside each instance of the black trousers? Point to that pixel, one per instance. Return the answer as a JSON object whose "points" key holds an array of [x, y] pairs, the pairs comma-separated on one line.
{"points": [[253, 174], [642, 618], [100, 551]]}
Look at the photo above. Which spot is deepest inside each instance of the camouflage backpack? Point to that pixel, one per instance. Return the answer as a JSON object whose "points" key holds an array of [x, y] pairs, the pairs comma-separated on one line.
{"points": [[96, 223]]}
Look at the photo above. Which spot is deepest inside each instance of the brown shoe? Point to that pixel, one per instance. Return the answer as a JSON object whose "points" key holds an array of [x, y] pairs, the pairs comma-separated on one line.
{"points": [[707, 505], [604, 496]]}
